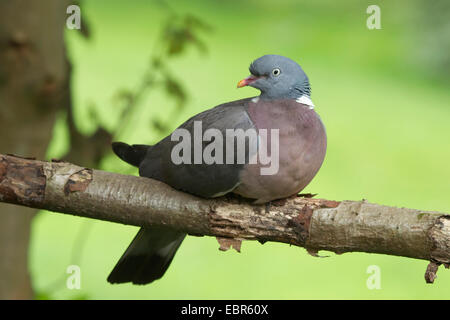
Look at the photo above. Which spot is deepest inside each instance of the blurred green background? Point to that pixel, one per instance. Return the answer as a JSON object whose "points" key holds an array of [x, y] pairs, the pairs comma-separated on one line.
{"points": [[383, 96]]}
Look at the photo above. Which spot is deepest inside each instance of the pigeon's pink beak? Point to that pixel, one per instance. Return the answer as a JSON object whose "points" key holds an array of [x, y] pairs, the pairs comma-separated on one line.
{"points": [[247, 81]]}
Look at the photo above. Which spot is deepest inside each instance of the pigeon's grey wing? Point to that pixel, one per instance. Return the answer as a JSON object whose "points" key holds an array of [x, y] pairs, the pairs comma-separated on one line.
{"points": [[202, 179]]}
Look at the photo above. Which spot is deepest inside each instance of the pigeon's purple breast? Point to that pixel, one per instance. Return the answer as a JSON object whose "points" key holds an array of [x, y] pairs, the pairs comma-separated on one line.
{"points": [[302, 145]]}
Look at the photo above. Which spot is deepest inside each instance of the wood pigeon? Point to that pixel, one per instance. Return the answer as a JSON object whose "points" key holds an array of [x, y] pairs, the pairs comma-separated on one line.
{"points": [[284, 108]]}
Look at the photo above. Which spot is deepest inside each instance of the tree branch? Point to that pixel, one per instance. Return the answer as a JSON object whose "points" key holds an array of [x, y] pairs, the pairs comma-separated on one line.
{"points": [[315, 224]]}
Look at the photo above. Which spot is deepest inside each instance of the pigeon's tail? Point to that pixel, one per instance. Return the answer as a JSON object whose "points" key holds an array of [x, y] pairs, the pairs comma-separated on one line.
{"points": [[148, 256], [133, 154]]}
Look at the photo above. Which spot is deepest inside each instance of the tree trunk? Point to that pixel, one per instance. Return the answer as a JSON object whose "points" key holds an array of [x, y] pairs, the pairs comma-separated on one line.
{"points": [[33, 86]]}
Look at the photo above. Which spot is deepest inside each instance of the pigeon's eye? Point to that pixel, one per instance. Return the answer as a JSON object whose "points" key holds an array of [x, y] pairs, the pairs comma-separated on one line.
{"points": [[276, 72]]}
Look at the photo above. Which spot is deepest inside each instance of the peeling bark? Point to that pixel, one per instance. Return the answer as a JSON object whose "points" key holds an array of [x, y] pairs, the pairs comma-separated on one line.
{"points": [[430, 273], [78, 181], [228, 243], [12, 176], [316, 224]]}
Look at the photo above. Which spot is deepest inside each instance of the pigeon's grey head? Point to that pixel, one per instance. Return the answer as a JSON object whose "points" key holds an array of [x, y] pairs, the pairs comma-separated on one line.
{"points": [[277, 77]]}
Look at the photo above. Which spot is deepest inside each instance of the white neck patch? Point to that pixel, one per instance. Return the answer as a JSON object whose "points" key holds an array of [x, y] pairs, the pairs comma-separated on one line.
{"points": [[305, 100]]}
